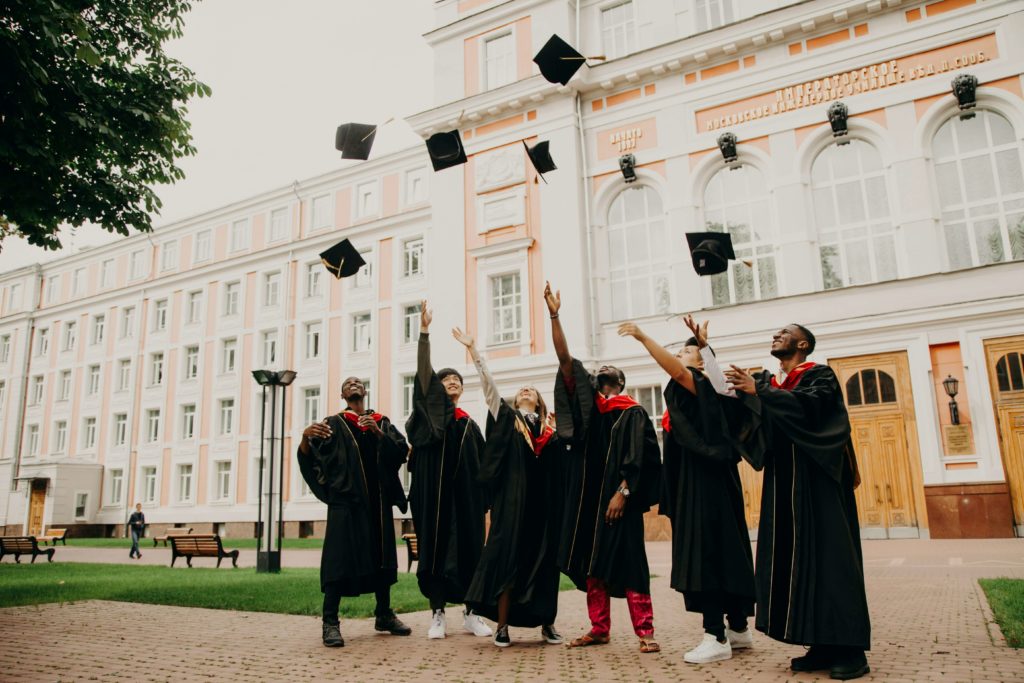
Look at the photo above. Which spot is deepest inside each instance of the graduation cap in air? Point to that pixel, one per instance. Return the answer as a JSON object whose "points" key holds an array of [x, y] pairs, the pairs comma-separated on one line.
{"points": [[342, 260], [446, 150], [354, 140], [558, 61], [540, 157], [710, 251]]}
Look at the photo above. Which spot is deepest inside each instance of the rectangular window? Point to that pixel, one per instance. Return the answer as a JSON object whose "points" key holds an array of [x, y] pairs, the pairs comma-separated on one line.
{"points": [[313, 340], [240, 235], [361, 332], [33, 439], [89, 433], [270, 348], [231, 291], [107, 273], [70, 336], [322, 212], [14, 297], [120, 429], [124, 374], [99, 329], [651, 398], [156, 369], [364, 278], [52, 289], [116, 486], [367, 203], [229, 350], [184, 483], [148, 484], [5, 348], [271, 289], [313, 280], [223, 480], [37, 390], [3, 393], [160, 316], [81, 503], [412, 257], [64, 387], [191, 362], [416, 186], [712, 14], [506, 309], [278, 224], [127, 322], [407, 393], [136, 265], [195, 306], [169, 256], [311, 405], [43, 342], [618, 30], [93, 385], [204, 238], [411, 324], [366, 392], [60, 436], [227, 416], [78, 283], [153, 425], [188, 421], [499, 61]]}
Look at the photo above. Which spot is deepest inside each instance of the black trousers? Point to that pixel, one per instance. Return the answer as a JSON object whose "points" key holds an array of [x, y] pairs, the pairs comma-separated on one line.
{"points": [[332, 601], [718, 605]]}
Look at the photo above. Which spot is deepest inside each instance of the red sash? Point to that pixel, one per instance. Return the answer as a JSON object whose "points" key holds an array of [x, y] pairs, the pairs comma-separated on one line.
{"points": [[354, 419], [541, 441], [460, 414], [618, 402], [793, 378], [666, 422]]}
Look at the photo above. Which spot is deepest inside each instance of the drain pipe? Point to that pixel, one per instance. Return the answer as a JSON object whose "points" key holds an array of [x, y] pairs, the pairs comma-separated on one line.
{"points": [[595, 338], [26, 369]]}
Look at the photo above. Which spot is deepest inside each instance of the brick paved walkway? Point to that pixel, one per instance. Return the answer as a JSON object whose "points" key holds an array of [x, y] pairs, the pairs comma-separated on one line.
{"points": [[929, 619]]}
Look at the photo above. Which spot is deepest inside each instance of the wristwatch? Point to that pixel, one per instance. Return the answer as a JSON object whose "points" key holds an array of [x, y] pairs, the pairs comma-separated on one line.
{"points": [[624, 491]]}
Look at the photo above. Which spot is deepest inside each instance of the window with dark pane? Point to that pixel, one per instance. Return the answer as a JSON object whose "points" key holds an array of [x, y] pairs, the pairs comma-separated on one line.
{"points": [[887, 387], [853, 391], [1010, 372], [869, 380]]}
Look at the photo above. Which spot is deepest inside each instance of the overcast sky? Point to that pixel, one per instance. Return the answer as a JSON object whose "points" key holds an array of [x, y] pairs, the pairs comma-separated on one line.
{"points": [[284, 75]]}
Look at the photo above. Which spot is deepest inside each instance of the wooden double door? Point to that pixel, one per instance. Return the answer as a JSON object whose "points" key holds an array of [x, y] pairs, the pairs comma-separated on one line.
{"points": [[1005, 360], [36, 507], [884, 432]]}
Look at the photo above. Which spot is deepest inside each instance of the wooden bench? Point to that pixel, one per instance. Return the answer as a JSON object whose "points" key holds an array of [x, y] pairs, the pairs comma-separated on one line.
{"points": [[414, 549], [23, 545], [171, 533], [200, 545], [54, 535]]}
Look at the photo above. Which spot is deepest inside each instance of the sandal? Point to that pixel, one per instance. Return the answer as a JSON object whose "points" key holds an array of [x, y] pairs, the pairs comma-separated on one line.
{"points": [[589, 639], [648, 646]]}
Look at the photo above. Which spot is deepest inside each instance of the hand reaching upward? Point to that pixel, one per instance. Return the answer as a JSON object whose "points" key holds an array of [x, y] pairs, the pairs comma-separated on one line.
{"points": [[426, 316], [699, 331], [463, 338], [553, 300]]}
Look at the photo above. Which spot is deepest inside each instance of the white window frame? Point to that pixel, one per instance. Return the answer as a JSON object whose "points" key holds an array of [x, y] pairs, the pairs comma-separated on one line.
{"points": [[127, 322], [367, 202], [203, 249], [32, 439], [191, 362], [711, 14], [229, 355], [222, 480], [149, 476], [624, 275], [272, 289], [226, 417], [43, 341], [313, 338], [273, 224], [411, 314], [53, 289], [321, 211], [160, 315], [116, 486], [70, 336], [64, 386], [153, 425], [413, 178], [362, 331], [194, 304], [314, 280], [169, 255], [78, 283], [408, 257], [364, 278], [124, 374], [99, 328], [270, 347], [184, 477], [156, 369], [107, 273], [618, 39], [311, 406], [239, 238], [5, 348], [120, 429], [514, 335], [508, 66], [232, 297], [92, 384], [188, 421], [137, 265], [60, 436], [81, 501], [88, 433]]}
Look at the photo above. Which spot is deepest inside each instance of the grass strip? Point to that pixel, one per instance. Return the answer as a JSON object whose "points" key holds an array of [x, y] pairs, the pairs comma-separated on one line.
{"points": [[1006, 598]]}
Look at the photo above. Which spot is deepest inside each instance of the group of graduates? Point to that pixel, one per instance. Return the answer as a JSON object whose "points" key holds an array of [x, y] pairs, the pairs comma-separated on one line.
{"points": [[567, 493]]}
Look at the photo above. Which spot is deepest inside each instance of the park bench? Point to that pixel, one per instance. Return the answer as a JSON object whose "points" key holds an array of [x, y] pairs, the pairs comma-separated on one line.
{"points": [[54, 535], [23, 545], [171, 533], [200, 545], [413, 548]]}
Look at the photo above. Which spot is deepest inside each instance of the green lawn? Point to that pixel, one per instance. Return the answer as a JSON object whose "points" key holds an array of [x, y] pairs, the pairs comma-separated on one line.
{"points": [[229, 543], [1006, 598], [293, 591]]}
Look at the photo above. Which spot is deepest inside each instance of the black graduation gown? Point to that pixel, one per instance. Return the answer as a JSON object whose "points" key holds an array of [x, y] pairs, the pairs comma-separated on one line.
{"points": [[810, 571], [703, 497], [447, 503], [522, 542], [356, 474], [604, 450]]}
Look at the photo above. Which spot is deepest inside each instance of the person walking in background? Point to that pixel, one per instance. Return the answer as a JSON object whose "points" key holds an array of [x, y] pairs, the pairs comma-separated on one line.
{"points": [[136, 525]]}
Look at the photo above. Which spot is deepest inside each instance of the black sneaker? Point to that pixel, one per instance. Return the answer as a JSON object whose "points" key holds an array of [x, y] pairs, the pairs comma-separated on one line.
{"points": [[550, 635], [849, 665], [818, 658], [501, 638], [332, 636], [389, 623]]}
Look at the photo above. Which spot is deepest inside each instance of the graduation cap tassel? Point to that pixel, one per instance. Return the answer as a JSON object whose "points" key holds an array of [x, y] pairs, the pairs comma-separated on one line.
{"points": [[376, 127]]}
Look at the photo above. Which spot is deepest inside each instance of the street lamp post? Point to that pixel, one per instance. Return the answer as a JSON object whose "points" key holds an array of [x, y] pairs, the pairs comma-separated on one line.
{"points": [[951, 385], [269, 560]]}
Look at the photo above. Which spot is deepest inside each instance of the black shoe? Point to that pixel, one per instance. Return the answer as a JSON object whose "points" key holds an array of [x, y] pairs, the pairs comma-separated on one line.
{"points": [[332, 636], [391, 624], [850, 665], [550, 635], [818, 658], [501, 638]]}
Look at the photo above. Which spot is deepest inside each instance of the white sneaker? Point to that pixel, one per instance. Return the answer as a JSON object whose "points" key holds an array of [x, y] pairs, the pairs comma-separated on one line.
{"points": [[739, 640], [437, 625], [475, 625], [709, 650]]}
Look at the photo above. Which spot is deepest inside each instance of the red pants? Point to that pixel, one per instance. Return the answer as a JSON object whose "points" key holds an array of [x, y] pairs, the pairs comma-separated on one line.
{"points": [[599, 603]]}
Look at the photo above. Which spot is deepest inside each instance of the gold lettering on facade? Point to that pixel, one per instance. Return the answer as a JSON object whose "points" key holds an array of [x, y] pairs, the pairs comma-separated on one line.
{"points": [[625, 140]]}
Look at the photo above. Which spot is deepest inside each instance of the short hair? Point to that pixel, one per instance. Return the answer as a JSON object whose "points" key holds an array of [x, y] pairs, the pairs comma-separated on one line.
{"points": [[621, 375], [692, 341], [809, 336], [445, 372]]}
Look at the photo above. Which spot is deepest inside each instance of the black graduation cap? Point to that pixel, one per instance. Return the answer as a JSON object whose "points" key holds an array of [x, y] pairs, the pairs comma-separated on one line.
{"points": [[710, 251], [354, 140], [342, 260], [446, 150], [540, 157], [558, 61]]}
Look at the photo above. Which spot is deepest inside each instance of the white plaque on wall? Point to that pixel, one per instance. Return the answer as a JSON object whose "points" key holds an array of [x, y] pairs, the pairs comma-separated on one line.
{"points": [[501, 209], [499, 168]]}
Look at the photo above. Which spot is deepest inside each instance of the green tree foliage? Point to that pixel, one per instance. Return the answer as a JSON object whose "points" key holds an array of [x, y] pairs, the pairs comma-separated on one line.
{"points": [[92, 113]]}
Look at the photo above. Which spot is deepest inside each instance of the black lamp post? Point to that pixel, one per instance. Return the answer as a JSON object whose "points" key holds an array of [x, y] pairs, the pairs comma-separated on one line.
{"points": [[269, 560], [951, 385]]}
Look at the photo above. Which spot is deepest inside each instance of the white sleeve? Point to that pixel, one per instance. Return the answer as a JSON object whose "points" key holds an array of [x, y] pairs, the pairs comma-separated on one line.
{"points": [[714, 373], [491, 395]]}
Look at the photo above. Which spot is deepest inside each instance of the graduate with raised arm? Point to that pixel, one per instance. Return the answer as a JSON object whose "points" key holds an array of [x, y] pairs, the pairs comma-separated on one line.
{"points": [[448, 505], [810, 571], [614, 476], [351, 461], [706, 431], [516, 582]]}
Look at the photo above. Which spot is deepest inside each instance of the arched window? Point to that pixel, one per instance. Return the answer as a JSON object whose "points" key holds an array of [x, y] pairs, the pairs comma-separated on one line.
{"points": [[736, 201], [851, 213], [638, 254], [981, 189], [870, 387], [1010, 372]]}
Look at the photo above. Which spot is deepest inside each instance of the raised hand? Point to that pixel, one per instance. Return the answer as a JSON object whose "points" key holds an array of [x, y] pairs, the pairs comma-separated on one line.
{"points": [[317, 430], [426, 316], [699, 332], [463, 338], [631, 330], [553, 300], [741, 380]]}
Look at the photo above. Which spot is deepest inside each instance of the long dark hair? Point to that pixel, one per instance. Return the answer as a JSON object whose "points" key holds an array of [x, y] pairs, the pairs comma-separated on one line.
{"points": [[542, 408]]}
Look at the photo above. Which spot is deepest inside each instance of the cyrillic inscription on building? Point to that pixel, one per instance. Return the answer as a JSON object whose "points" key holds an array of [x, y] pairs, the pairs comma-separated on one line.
{"points": [[636, 135]]}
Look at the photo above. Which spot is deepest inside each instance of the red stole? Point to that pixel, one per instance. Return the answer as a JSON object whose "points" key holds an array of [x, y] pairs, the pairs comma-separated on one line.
{"points": [[460, 414], [666, 422], [618, 402], [541, 441], [793, 378], [354, 419]]}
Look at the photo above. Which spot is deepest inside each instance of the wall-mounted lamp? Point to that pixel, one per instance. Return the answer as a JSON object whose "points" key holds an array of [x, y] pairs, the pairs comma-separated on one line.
{"points": [[627, 164], [727, 145], [965, 87], [837, 118], [951, 384]]}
